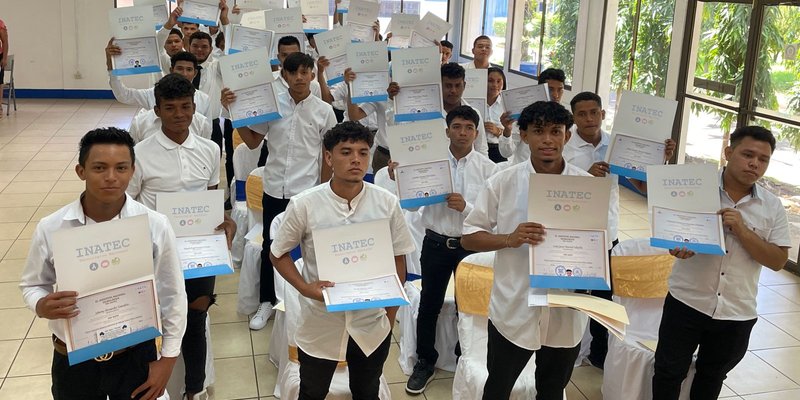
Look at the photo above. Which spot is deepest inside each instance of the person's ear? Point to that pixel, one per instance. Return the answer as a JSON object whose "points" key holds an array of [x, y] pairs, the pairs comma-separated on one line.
{"points": [[80, 171]]}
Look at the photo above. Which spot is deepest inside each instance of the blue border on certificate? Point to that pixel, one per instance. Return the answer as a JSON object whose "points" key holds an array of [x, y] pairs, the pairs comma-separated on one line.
{"points": [[206, 22], [159, 26], [515, 116], [234, 51], [256, 120], [335, 80], [627, 172], [274, 61], [342, 11], [203, 272], [418, 116], [399, 301], [315, 30], [568, 282], [423, 201], [112, 345], [370, 99], [701, 248], [145, 69]]}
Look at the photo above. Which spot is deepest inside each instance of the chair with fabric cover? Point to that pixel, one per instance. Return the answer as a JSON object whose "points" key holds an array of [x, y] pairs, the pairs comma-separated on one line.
{"points": [[10, 86], [245, 160], [250, 274]]}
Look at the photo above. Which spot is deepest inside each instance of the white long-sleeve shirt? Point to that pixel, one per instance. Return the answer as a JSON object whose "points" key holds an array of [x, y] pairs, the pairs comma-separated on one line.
{"points": [[146, 99]]}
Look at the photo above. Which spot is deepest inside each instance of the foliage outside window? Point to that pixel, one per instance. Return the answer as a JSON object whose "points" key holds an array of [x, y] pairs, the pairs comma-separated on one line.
{"points": [[547, 37]]}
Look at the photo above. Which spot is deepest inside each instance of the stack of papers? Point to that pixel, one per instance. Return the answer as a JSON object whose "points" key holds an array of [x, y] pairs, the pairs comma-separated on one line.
{"points": [[607, 313]]}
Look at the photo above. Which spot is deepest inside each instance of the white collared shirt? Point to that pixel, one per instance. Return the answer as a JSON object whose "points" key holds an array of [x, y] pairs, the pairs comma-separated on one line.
{"points": [[163, 166], [39, 277], [146, 123], [493, 115], [583, 155], [211, 84], [480, 144], [469, 65], [501, 207], [320, 333], [295, 145], [146, 99], [725, 287], [313, 86], [469, 176], [340, 91], [513, 148]]}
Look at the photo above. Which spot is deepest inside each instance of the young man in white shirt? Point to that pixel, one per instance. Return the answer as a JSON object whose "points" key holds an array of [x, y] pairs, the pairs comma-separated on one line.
{"points": [[176, 160], [555, 80], [360, 337], [443, 222], [106, 164], [289, 45], [294, 160], [481, 51], [514, 327], [447, 51], [586, 149], [712, 299], [496, 83]]}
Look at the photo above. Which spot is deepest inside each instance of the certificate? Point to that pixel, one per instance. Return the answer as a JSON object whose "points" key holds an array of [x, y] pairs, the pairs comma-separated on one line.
{"points": [[204, 255], [400, 26], [342, 7], [416, 66], [418, 103], [699, 232], [364, 12], [359, 259], [285, 22], [477, 80], [316, 23], [138, 56], [361, 32], [254, 105], [428, 29], [254, 19], [687, 187], [113, 319], [570, 259], [301, 37], [399, 42], [480, 105], [417, 40], [205, 12], [629, 155], [383, 291], [333, 46], [244, 39], [249, 76], [418, 142], [569, 202], [334, 73], [515, 100], [645, 116], [369, 87], [423, 184], [160, 11]]}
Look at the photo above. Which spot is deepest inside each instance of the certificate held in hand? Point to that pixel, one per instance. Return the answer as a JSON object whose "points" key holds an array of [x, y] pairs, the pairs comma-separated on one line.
{"points": [[418, 72], [400, 26], [205, 12], [285, 22], [359, 259], [333, 46], [515, 100], [249, 75], [132, 29], [423, 174], [370, 62], [246, 39]]}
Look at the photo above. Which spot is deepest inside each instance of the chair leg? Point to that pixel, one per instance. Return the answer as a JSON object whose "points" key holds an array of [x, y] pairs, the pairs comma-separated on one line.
{"points": [[14, 90]]}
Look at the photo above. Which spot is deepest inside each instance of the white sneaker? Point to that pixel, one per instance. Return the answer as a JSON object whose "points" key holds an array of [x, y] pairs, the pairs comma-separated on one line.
{"points": [[198, 396], [260, 318]]}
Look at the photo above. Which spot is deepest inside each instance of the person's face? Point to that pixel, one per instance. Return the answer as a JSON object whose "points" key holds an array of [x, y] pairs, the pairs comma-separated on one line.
{"points": [[556, 89], [176, 114], [452, 89], [546, 142], [188, 29], [462, 133], [107, 170], [173, 45], [285, 51], [588, 117], [495, 84], [446, 54], [300, 80], [748, 161], [201, 49], [349, 160], [482, 49], [184, 68]]}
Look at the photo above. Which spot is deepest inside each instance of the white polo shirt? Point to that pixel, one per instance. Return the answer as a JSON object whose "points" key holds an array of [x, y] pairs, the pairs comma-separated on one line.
{"points": [[469, 175], [163, 166], [39, 277], [493, 115], [319, 333], [513, 148], [211, 84], [295, 145], [583, 155], [501, 207], [146, 98], [146, 123], [725, 287]]}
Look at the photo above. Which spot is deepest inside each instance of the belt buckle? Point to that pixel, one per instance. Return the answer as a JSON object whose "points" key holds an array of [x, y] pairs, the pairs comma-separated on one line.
{"points": [[452, 246], [104, 357]]}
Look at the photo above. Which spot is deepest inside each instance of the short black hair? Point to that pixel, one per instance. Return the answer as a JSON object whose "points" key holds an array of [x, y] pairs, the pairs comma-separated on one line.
{"points": [[110, 135], [446, 43], [585, 96], [481, 37], [294, 61], [191, 23], [552, 73], [452, 70], [183, 56], [173, 86], [200, 35], [754, 131], [499, 71], [465, 112], [347, 131], [289, 41], [219, 41], [176, 31], [542, 113]]}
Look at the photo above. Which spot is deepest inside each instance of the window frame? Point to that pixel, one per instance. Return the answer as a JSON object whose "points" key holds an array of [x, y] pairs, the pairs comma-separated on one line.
{"points": [[464, 45]]}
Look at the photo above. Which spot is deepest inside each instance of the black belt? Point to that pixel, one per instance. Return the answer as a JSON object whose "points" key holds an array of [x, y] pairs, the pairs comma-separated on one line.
{"points": [[382, 150], [452, 243]]}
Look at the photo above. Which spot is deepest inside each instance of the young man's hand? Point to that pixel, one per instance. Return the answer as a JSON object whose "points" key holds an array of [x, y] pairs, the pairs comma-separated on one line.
{"points": [[58, 305], [157, 378]]}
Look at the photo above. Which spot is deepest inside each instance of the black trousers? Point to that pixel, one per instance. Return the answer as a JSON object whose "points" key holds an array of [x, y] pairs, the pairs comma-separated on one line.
{"points": [[272, 207], [438, 263], [365, 372], [722, 345], [494, 153], [116, 378], [505, 362], [598, 348], [219, 137], [194, 347]]}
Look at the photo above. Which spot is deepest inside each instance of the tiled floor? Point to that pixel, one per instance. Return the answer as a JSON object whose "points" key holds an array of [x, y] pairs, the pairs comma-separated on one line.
{"points": [[38, 150]]}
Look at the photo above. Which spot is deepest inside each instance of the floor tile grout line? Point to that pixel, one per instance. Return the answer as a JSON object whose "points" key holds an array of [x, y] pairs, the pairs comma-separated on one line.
{"points": [[776, 369]]}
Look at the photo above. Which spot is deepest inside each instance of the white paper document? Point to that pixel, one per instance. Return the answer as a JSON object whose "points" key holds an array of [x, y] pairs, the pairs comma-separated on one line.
{"points": [[515, 100], [333, 46], [316, 15], [477, 81], [419, 103], [630, 155], [369, 87], [479, 104], [429, 29], [570, 259], [699, 232], [249, 76], [400, 26], [246, 39], [611, 315], [361, 33], [254, 19], [132, 29], [358, 258], [160, 11], [645, 116], [285, 22], [687, 187], [363, 12], [416, 66], [423, 184], [418, 142], [205, 12]]}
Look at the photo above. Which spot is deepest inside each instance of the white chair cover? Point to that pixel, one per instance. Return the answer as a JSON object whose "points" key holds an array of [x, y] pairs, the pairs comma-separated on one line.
{"points": [[250, 274], [446, 332], [245, 161], [628, 371]]}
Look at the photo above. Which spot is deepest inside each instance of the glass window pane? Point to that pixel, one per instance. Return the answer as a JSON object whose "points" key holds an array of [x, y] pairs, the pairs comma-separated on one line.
{"points": [[493, 24], [777, 83], [422, 7], [532, 51], [123, 3], [707, 133], [472, 26]]}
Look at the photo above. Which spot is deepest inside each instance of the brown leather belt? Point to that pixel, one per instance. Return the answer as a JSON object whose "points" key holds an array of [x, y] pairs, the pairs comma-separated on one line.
{"points": [[61, 348]]}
